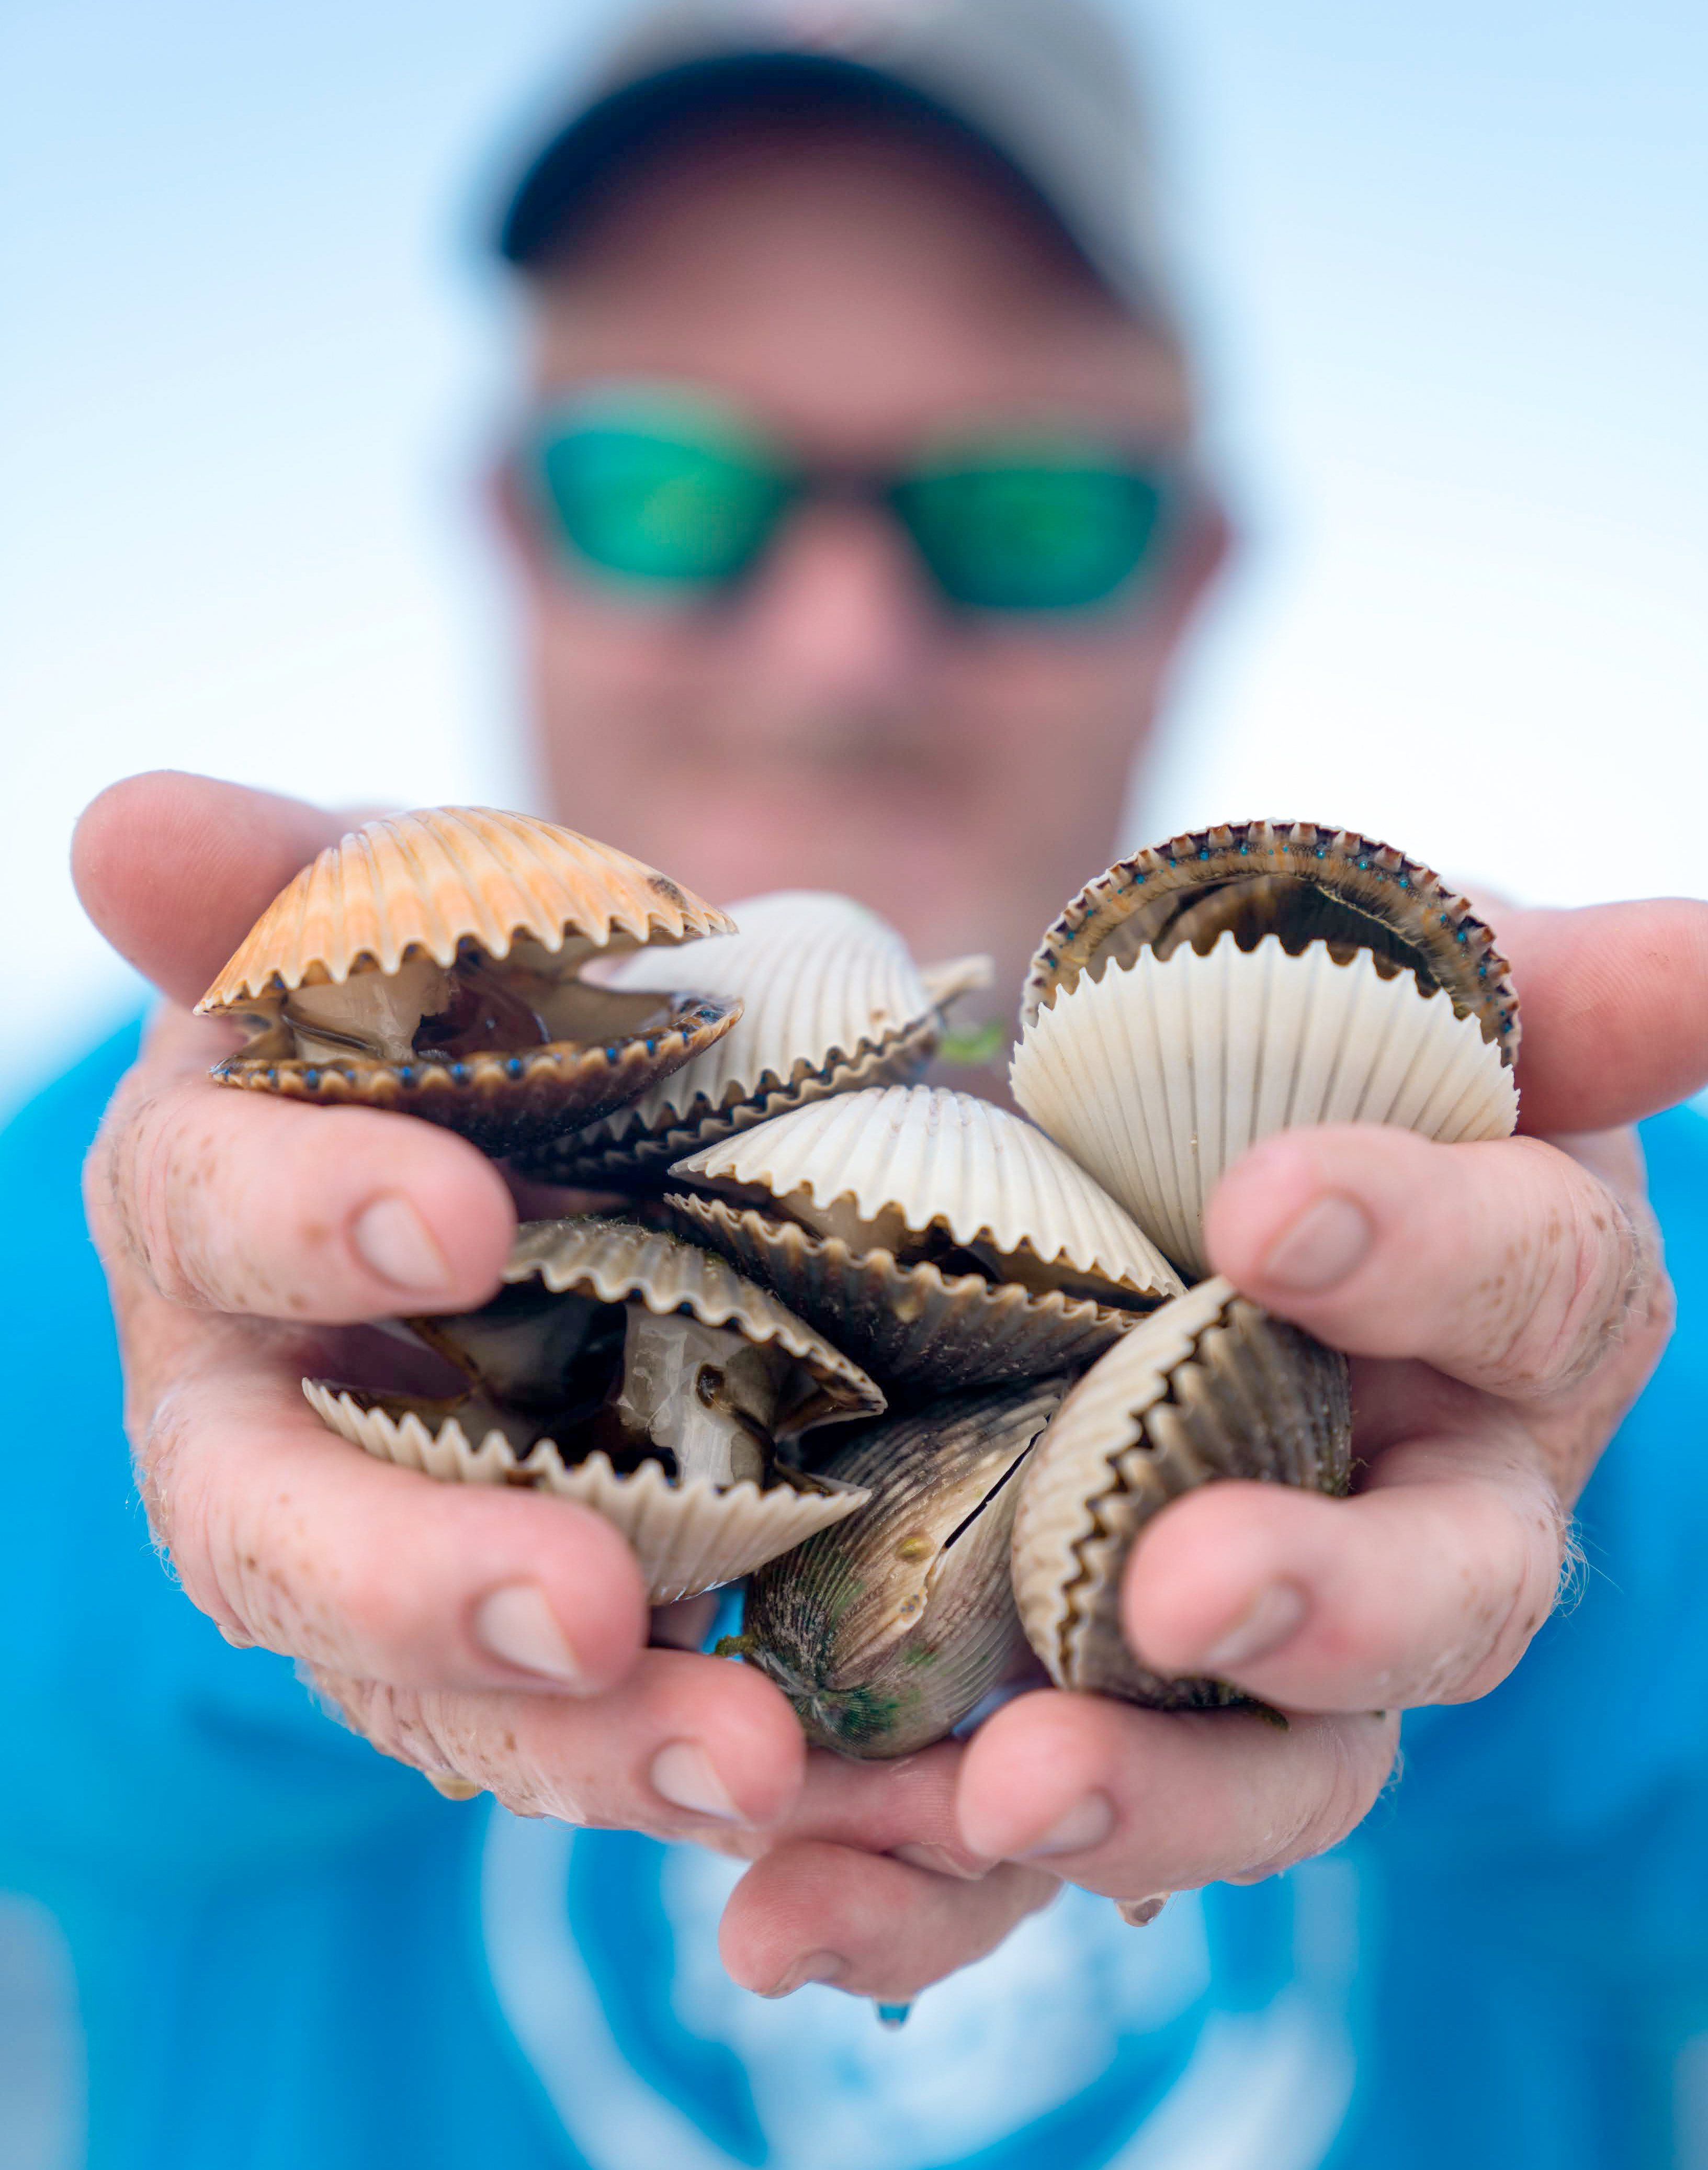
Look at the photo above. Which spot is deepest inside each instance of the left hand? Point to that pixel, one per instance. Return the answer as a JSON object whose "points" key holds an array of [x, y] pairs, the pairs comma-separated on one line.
{"points": [[1504, 1305]]}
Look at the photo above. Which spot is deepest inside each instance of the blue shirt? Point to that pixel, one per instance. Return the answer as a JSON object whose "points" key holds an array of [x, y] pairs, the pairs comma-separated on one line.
{"points": [[289, 1951]]}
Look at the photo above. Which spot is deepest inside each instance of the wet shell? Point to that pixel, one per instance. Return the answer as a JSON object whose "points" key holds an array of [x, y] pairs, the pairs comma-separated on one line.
{"points": [[688, 1535], [1301, 880], [886, 1163], [887, 1631], [687, 1538], [617, 1261], [1209, 1386], [911, 1326], [1160, 1073], [447, 889], [831, 1001]]}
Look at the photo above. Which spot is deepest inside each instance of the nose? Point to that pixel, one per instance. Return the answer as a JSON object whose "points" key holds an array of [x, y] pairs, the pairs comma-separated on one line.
{"points": [[838, 620]]}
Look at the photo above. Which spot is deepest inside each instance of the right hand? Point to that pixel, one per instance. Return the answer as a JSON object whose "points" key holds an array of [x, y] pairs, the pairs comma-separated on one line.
{"points": [[495, 1639]]}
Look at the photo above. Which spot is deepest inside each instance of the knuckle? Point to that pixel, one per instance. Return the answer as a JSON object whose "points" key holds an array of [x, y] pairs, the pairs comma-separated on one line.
{"points": [[1566, 1291], [1519, 1594], [1351, 1781], [447, 1734]]}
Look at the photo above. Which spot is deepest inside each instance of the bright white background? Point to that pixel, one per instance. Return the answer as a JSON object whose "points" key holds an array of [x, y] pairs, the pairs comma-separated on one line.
{"points": [[1447, 271]]}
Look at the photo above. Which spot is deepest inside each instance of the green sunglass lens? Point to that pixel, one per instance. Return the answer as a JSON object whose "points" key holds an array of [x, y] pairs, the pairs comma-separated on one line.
{"points": [[1016, 536], [658, 508]]}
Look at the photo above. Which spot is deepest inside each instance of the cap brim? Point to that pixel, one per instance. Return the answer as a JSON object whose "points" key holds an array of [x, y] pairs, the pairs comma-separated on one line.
{"points": [[567, 180]]}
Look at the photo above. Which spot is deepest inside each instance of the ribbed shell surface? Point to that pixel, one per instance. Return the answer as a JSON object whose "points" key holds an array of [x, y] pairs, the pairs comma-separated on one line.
{"points": [[911, 1326], [820, 979], [428, 880], [831, 1000], [937, 1156], [1209, 1386], [1161, 1073], [886, 1631], [686, 1538], [1401, 894], [613, 1261]]}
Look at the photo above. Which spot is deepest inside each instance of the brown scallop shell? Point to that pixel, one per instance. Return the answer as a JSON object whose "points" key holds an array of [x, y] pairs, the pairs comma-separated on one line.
{"points": [[910, 1325], [620, 1262], [886, 1631], [431, 880], [1301, 880], [503, 1103], [1209, 1386], [517, 889], [687, 1537]]}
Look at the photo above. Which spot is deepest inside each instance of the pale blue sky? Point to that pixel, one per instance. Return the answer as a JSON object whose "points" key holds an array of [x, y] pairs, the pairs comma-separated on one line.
{"points": [[1447, 266]]}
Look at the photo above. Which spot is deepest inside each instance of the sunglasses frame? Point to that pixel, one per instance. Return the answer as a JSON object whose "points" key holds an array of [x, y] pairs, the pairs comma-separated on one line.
{"points": [[668, 413]]}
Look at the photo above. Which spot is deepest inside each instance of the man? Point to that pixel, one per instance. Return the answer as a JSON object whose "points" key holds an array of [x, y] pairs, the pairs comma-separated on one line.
{"points": [[827, 295]]}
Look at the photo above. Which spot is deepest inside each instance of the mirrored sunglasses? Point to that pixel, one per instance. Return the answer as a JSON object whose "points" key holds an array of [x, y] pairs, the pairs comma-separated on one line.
{"points": [[671, 494]]}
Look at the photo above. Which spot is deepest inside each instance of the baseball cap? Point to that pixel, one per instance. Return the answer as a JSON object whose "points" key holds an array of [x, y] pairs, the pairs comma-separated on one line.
{"points": [[1048, 85]]}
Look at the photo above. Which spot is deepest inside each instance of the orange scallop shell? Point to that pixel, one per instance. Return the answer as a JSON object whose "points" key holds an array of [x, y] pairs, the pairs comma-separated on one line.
{"points": [[431, 879]]}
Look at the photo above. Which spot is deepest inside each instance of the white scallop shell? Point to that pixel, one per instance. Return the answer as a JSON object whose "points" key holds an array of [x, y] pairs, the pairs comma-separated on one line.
{"points": [[928, 1155], [1209, 1386], [831, 1000], [687, 1537], [1160, 1074]]}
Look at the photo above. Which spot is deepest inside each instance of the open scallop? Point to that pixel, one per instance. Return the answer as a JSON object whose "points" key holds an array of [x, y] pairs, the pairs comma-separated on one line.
{"points": [[1209, 1386], [887, 1631], [431, 962], [950, 1242], [830, 1002], [1251, 979], [645, 1378]]}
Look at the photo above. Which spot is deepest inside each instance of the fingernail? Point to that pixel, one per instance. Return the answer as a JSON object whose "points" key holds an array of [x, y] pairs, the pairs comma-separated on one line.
{"points": [[683, 1773], [452, 1787], [1087, 1823], [826, 1967], [1275, 1615], [515, 1623], [1139, 1913], [1323, 1245], [392, 1240]]}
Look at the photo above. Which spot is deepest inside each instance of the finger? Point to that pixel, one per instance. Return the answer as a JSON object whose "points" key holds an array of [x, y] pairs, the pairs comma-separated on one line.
{"points": [[687, 1747], [1614, 1006], [1508, 1264], [905, 1808], [1426, 1588], [173, 869], [245, 1203], [288, 1537], [811, 1913], [1132, 1802]]}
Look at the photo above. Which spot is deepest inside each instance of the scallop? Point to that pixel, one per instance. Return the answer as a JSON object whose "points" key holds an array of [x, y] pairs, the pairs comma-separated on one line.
{"points": [[432, 962], [1245, 980], [942, 1238], [830, 1002], [1209, 1388], [624, 1369], [887, 1631]]}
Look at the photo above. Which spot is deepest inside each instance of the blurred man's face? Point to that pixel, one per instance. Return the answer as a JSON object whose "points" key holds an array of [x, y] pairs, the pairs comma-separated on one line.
{"points": [[832, 722]]}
